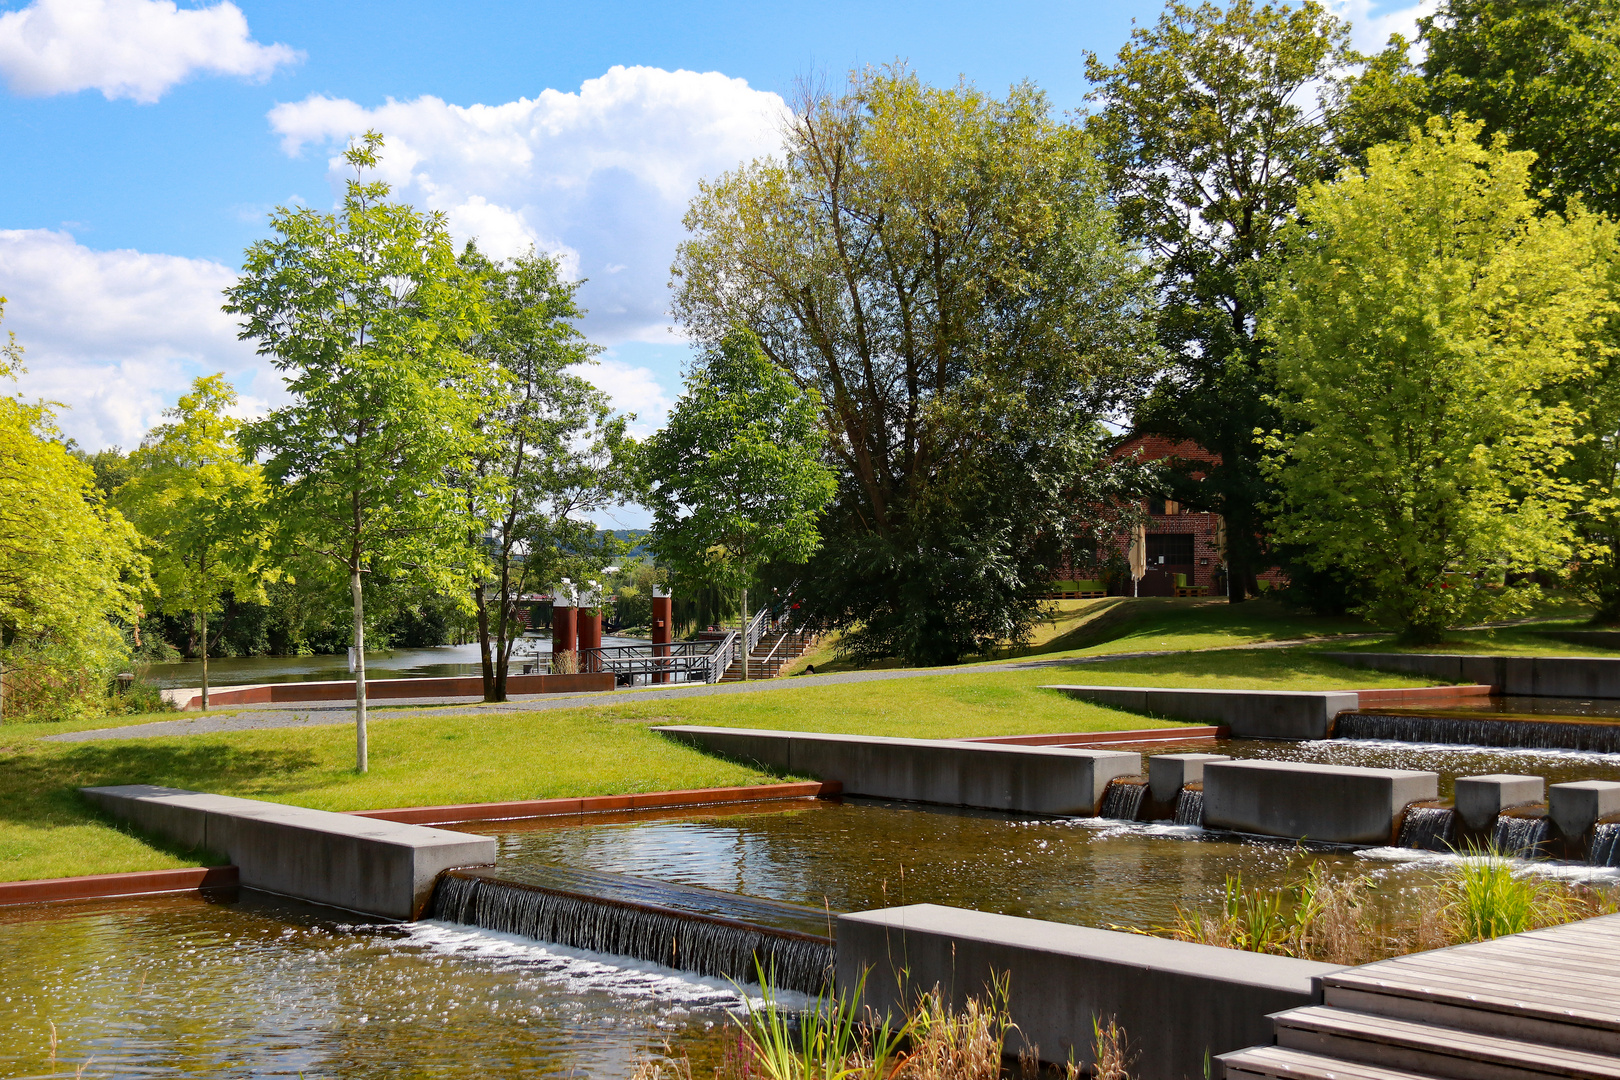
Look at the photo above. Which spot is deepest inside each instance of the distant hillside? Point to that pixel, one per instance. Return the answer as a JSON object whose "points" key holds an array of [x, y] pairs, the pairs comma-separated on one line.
{"points": [[631, 535]]}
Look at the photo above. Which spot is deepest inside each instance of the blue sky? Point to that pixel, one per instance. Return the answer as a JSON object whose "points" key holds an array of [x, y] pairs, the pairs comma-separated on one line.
{"points": [[145, 143]]}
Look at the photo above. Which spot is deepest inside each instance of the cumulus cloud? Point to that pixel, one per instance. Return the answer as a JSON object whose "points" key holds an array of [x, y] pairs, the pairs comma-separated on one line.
{"points": [[599, 177], [134, 49], [1370, 28], [117, 336]]}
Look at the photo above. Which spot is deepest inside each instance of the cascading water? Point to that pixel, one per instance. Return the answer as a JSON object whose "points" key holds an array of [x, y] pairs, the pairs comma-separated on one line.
{"points": [[1428, 828], [1190, 805], [1591, 736], [1606, 844], [1123, 798], [694, 941], [1520, 835]]}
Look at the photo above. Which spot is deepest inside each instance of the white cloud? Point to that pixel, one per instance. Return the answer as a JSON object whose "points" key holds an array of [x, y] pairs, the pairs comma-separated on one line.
{"points": [[600, 177], [1370, 29], [118, 335], [136, 49]]}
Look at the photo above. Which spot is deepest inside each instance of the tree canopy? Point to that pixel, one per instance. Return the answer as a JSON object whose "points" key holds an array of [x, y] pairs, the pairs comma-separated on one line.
{"points": [[1423, 323], [942, 267]]}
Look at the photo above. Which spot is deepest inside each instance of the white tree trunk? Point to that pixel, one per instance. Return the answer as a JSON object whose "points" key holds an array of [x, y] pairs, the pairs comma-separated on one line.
{"points": [[203, 618], [747, 651], [359, 672]]}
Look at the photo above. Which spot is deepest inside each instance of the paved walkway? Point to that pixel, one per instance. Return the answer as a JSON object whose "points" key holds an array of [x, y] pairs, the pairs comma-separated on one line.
{"points": [[318, 714]]}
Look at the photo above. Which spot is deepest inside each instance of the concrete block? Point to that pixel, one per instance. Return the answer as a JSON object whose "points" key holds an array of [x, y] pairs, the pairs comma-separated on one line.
{"points": [[1576, 807], [362, 864], [1532, 676], [1333, 803], [1179, 1002], [1250, 714], [992, 776], [1479, 799], [1169, 773]]}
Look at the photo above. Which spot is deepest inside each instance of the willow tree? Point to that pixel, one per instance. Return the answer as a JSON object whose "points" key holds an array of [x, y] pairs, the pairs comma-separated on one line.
{"points": [[1421, 329], [365, 311], [942, 267]]}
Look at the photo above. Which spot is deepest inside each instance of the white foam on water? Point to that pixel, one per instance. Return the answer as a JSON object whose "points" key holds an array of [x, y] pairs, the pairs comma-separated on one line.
{"points": [[1590, 757], [583, 971]]}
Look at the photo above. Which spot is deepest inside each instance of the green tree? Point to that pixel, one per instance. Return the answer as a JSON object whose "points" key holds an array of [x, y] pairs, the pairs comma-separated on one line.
{"points": [[1424, 310], [366, 312], [552, 450], [735, 477], [943, 268], [69, 565], [1210, 123], [198, 505]]}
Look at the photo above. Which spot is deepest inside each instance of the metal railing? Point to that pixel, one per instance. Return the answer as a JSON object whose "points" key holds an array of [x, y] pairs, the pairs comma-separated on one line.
{"points": [[678, 661]]}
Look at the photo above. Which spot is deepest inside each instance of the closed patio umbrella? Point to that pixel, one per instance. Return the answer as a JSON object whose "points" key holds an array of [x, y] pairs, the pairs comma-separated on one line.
{"points": [[1138, 555]]}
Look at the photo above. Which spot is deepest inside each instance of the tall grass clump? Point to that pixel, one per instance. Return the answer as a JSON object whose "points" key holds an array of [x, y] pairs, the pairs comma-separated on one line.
{"points": [[1483, 898]]}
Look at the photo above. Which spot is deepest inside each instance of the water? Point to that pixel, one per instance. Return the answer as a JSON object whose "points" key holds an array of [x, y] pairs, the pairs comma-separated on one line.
{"points": [[698, 930], [252, 987], [1606, 844], [1524, 836], [1463, 728], [439, 660], [1428, 828], [1122, 799], [1190, 806]]}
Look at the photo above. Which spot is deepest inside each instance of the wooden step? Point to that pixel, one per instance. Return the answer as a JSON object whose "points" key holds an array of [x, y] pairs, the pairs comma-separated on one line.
{"points": [[1415, 1046], [1279, 1063], [1474, 1006]]}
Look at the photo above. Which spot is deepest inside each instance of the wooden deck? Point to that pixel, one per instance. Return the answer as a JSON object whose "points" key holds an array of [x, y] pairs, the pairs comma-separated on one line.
{"points": [[1535, 1005]]}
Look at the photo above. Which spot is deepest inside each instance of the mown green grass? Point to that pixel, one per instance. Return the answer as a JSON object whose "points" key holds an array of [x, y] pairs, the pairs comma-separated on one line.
{"points": [[46, 830]]}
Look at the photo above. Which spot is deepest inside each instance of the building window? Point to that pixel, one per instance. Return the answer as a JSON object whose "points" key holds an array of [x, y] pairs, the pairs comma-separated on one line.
{"points": [[1170, 549]]}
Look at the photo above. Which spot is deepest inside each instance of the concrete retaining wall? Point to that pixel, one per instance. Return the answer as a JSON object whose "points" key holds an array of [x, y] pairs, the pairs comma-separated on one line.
{"points": [[1250, 714], [1334, 803], [375, 867], [381, 689], [1179, 1003], [1534, 676], [1021, 779]]}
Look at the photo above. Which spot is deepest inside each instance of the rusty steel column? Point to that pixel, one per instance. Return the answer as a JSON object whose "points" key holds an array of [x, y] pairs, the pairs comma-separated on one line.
{"points": [[663, 628]]}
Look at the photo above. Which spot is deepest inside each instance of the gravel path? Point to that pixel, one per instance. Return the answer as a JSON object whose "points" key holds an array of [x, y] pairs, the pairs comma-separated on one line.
{"points": [[318, 714]]}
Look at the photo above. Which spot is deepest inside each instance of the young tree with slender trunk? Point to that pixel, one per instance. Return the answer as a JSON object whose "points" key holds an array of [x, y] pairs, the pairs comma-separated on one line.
{"points": [[366, 312], [735, 477], [551, 449], [198, 505]]}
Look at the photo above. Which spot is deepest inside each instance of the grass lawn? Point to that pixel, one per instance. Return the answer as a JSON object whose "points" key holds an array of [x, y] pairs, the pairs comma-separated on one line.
{"points": [[47, 831], [1499, 640]]}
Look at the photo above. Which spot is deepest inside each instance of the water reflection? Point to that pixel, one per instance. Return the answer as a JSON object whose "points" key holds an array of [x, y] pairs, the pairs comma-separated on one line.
{"points": [[384, 663]]}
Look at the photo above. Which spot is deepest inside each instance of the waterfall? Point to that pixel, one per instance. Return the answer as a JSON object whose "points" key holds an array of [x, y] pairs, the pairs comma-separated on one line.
{"points": [[1427, 828], [1606, 844], [1123, 798], [1591, 736], [1523, 836], [1190, 805], [692, 941]]}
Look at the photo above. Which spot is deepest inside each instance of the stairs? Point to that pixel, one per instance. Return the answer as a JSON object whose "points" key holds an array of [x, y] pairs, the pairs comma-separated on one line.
{"points": [[1525, 1007], [775, 650]]}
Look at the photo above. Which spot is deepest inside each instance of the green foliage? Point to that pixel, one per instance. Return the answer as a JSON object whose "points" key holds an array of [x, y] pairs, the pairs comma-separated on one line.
{"points": [[1485, 898], [198, 506], [551, 450], [68, 565], [943, 268], [735, 478], [1420, 324], [366, 312], [1211, 122]]}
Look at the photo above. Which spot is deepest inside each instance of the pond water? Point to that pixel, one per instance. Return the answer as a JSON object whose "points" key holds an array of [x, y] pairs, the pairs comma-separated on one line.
{"points": [[383, 664]]}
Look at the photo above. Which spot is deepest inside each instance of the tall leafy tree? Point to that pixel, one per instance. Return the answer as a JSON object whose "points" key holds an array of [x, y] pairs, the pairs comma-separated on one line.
{"points": [[366, 311], [69, 564], [1210, 123], [735, 477], [198, 505], [942, 266], [551, 451], [1424, 308]]}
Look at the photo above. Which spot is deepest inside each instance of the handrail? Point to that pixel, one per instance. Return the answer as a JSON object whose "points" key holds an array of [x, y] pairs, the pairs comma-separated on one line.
{"points": [[722, 657]]}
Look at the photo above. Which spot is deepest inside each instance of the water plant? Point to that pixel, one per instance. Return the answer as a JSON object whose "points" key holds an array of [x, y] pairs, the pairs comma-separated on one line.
{"points": [[1484, 898]]}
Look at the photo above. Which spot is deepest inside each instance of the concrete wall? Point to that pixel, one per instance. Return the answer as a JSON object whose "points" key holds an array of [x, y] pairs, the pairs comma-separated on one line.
{"points": [[1536, 676], [1178, 1002], [1334, 803], [1250, 714], [1022, 779], [378, 689], [376, 867]]}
